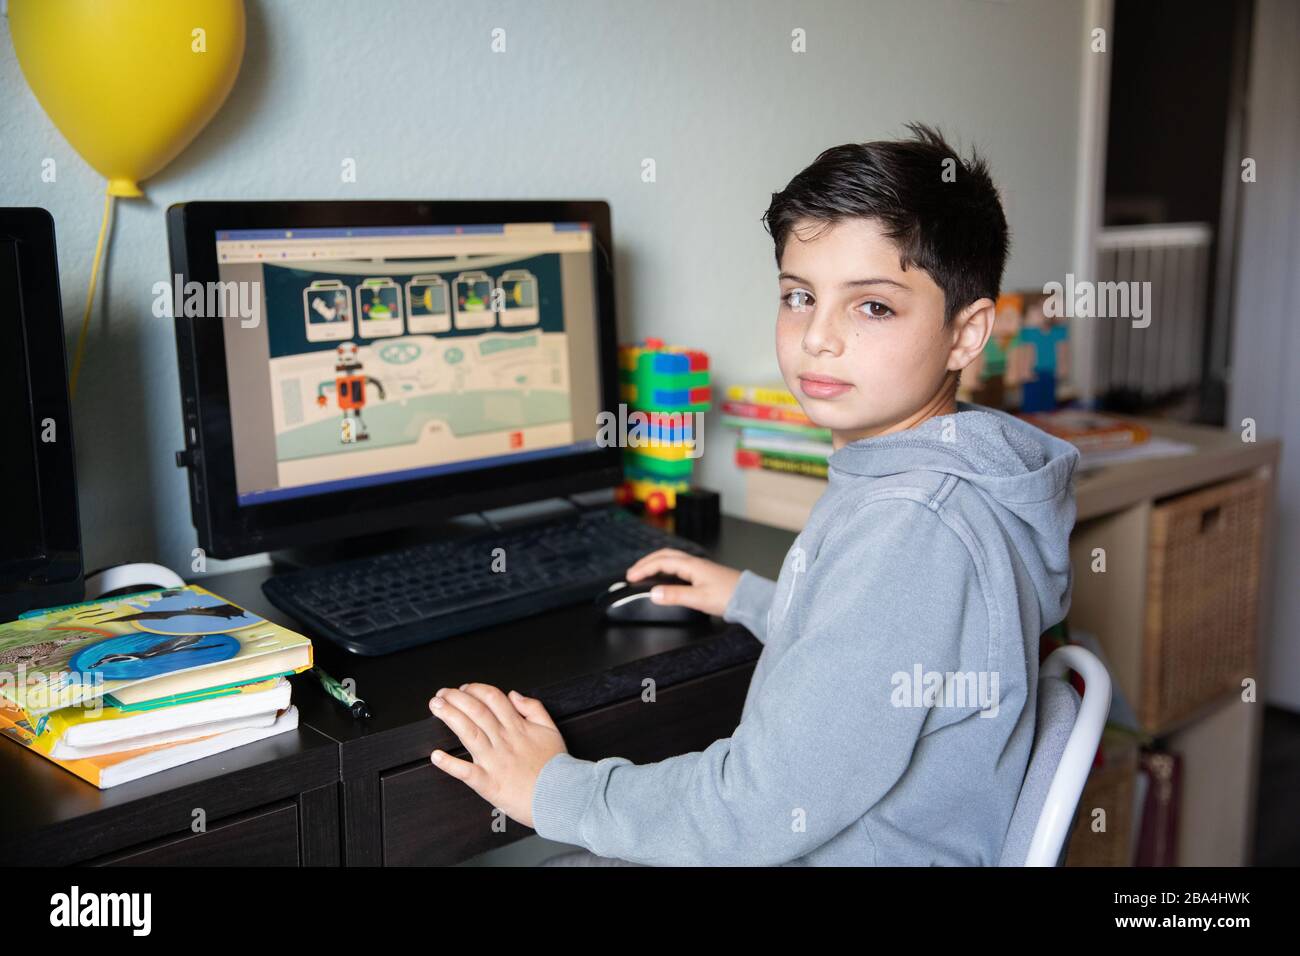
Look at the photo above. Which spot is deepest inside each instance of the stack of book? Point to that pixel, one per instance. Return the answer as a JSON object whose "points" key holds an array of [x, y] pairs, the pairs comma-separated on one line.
{"points": [[782, 452], [1105, 439], [118, 689], [775, 434]]}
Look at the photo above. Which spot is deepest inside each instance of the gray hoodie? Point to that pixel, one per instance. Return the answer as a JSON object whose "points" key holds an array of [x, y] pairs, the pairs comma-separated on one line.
{"points": [[890, 714]]}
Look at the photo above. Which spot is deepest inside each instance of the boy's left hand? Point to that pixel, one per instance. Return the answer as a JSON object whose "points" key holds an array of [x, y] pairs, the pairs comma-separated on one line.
{"points": [[510, 738]]}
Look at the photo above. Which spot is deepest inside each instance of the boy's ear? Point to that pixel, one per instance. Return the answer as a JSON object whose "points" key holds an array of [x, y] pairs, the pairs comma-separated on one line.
{"points": [[971, 328]]}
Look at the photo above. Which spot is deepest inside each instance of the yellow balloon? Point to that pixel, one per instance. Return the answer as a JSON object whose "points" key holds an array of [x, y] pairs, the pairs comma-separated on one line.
{"points": [[129, 82]]}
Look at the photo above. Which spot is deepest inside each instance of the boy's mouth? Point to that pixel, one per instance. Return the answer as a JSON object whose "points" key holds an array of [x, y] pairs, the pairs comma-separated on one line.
{"points": [[823, 386]]}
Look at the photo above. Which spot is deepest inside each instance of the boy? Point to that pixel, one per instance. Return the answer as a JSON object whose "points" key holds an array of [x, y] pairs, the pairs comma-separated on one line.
{"points": [[890, 714]]}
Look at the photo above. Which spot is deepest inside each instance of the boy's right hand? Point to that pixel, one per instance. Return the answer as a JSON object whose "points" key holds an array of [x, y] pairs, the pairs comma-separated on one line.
{"points": [[711, 584]]}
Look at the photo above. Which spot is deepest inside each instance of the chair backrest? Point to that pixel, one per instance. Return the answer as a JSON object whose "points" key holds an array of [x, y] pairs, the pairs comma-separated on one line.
{"points": [[1065, 744]]}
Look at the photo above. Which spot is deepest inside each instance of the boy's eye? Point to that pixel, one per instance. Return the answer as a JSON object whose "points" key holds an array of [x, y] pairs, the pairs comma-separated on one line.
{"points": [[876, 310], [797, 299]]}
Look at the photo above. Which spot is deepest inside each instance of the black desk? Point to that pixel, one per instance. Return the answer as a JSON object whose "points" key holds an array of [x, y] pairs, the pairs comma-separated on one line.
{"points": [[393, 806], [269, 803]]}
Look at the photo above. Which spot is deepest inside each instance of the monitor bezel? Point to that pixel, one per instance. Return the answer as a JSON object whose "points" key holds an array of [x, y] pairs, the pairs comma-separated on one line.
{"points": [[56, 577], [228, 529]]}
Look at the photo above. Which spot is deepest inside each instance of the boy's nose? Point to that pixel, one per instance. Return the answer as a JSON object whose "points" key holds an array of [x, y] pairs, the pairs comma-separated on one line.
{"points": [[821, 337]]}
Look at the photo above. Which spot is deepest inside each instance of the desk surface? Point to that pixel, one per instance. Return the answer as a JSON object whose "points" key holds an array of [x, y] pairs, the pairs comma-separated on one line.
{"points": [[566, 657], [1220, 454]]}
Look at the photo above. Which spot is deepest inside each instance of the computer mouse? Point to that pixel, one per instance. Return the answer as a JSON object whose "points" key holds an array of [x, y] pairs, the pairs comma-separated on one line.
{"points": [[628, 602]]}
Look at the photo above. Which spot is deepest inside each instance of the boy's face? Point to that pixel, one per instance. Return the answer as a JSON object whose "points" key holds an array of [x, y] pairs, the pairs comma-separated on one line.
{"points": [[861, 342], [1035, 317]]}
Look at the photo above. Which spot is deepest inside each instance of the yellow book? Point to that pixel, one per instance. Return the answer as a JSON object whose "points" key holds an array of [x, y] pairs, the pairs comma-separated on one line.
{"points": [[775, 394]]}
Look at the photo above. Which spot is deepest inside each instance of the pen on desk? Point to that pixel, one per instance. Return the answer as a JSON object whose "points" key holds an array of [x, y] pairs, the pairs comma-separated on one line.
{"points": [[355, 705]]}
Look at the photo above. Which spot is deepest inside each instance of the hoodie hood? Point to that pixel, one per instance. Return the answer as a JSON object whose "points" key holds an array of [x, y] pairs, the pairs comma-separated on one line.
{"points": [[1025, 474]]}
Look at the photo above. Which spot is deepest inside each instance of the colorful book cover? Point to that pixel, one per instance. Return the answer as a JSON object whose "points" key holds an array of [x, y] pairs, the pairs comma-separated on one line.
{"points": [[762, 440], [792, 428], [1089, 431], [173, 640], [787, 464], [767, 413], [776, 394], [743, 446]]}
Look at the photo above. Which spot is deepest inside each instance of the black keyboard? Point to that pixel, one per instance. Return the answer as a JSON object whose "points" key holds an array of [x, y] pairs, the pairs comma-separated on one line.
{"points": [[398, 599]]}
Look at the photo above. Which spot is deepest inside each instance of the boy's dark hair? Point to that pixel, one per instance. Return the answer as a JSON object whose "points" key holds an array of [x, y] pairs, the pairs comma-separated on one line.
{"points": [[951, 226]]}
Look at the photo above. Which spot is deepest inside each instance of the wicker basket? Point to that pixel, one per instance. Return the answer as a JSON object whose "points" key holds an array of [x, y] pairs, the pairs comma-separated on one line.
{"points": [[1202, 590], [1109, 788]]}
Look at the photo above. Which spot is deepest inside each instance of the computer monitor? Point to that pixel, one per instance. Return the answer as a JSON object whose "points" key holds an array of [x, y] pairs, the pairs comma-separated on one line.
{"points": [[40, 545], [356, 367]]}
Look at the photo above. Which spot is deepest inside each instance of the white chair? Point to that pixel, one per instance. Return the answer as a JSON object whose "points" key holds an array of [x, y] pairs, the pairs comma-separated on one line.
{"points": [[1065, 743]]}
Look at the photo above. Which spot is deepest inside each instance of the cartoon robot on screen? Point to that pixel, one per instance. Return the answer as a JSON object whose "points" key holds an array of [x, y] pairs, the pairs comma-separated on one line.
{"points": [[350, 385]]}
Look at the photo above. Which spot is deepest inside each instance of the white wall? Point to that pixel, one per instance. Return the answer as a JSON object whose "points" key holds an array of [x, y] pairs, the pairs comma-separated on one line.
{"points": [[585, 91], [1264, 384]]}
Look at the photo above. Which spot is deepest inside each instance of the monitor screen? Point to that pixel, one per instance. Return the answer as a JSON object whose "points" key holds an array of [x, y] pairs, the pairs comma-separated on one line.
{"points": [[358, 357]]}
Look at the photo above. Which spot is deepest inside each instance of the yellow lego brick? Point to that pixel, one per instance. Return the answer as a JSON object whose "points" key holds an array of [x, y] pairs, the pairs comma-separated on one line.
{"points": [[665, 452]]}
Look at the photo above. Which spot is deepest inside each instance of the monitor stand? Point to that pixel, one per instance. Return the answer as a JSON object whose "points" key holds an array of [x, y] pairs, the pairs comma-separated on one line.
{"points": [[496, 519]]}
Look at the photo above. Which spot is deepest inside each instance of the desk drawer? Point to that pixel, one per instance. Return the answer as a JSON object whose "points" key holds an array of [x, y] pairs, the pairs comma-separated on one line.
{"points": [[264, 837], [421, 804]]}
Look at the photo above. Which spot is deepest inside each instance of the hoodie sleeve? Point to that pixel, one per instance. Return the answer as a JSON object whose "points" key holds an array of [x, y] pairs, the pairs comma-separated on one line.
{"points": [[750, 603], [828, 734]]}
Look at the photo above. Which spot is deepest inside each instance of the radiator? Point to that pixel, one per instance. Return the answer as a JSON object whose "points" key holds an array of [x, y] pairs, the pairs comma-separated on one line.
{"points": [[1165, 357]]}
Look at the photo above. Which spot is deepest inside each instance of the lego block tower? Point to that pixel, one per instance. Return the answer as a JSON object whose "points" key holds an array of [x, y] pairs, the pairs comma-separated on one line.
{"points": [[672, 381]]}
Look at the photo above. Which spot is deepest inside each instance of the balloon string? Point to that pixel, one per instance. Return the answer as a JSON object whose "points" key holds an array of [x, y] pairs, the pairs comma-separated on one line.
{"points": [[90, 295]]}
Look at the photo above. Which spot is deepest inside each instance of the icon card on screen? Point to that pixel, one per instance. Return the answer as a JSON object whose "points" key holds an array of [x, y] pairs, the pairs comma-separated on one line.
{"points": [[379, 308], [519, 297], [327, 311], [472, 299], [428, 308]]}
